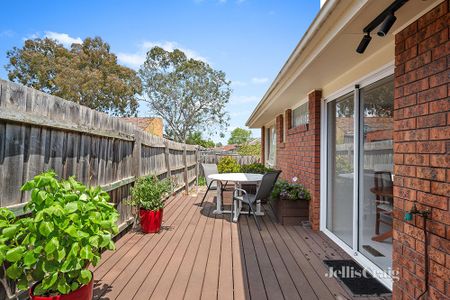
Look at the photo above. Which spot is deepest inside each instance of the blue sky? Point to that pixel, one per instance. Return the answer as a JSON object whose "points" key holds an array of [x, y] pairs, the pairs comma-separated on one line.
{"points": [[248, 39]]}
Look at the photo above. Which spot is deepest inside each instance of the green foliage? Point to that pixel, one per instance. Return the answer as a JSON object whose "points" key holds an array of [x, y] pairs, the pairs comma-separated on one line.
{"points": [[239, 136], [201, 181], [149, 192], [227, 164], [257, 168], [197, 139], [188, 94], [284, 190], [87, 74], [247, 149], [343, 165], [69, 227]]}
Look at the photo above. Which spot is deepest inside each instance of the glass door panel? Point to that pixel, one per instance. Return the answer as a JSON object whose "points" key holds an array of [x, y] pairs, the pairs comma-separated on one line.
{"points": [[376, 172], [340, 173]]}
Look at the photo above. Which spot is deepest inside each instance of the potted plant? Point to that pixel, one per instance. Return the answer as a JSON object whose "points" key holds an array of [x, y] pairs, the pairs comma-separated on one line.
{"points": [[148, 195], [290, 202], [66, 230]]}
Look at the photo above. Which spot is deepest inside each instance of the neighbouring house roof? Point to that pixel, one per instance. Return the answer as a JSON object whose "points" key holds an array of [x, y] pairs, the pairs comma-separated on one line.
{"points": [[325, 58], [152, 125]]}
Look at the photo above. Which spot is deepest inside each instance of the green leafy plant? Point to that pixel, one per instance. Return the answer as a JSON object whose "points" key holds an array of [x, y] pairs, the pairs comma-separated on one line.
{"points": [[68, 228], [201, 181], [285, 190], [250, 149], [149, 192], [257, 168], [227, 164]]}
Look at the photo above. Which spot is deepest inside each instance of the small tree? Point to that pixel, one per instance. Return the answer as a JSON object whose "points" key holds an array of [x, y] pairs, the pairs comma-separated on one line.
{"points": [[196, 138], [188, 94], [86, 73], [250, 149], [239, 136]]}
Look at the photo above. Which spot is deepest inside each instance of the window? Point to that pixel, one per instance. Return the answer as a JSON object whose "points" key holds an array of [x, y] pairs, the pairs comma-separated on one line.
{"points": [[300, 115], [271, 145]]}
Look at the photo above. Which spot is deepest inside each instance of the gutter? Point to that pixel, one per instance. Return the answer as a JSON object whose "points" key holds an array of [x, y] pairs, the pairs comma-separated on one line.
{"points": [[323, 14]]}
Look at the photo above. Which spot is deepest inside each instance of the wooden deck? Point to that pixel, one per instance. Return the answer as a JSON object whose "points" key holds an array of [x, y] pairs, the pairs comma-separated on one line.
{"points": [[199, 255]]}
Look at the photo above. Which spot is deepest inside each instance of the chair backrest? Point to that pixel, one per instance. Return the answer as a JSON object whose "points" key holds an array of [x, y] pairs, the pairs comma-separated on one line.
{"points": [[209, 169], [267, 184]]}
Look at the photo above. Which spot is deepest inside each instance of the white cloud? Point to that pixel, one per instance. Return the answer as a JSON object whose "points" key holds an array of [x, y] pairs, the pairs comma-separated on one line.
{"points": [[63, 38], [259, 80], [6, 33], [136, 59], [237, 83], [244, 99]]}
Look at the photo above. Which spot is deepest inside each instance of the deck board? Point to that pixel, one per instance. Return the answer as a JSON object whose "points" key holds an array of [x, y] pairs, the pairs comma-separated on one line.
{"points": [[199, 255]]}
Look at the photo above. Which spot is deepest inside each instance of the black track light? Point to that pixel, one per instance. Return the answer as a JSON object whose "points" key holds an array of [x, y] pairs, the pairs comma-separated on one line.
{"points": [[387, 24], [364, 43]]}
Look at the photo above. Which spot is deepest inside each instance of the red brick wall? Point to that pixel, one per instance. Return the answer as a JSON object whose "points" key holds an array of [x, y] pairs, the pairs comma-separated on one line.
{"points": [[299, 154], [421, 154]]}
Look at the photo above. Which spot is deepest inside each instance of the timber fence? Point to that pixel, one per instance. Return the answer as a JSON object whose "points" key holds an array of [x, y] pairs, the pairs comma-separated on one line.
{"points": [[39, 132]]}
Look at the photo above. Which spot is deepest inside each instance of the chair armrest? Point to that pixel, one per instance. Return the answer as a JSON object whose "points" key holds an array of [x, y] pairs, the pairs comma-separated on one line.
{"points": [[239, 190]]}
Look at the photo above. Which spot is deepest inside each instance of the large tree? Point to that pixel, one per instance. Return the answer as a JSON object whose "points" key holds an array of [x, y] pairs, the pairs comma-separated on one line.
{"points": [[188, 94], [240, 136], [87, 74]]}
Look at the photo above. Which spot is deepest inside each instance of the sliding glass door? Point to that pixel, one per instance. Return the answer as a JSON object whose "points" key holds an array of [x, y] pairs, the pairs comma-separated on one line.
{"points": [[376, 172], [341, 176], [359, 189]]}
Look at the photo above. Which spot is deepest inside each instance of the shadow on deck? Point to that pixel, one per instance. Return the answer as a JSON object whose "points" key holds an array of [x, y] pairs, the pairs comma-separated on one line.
{"points": [[198, 255]]}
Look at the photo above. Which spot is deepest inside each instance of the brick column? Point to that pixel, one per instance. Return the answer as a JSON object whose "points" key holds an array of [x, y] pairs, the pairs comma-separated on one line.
{"points": [[263, 145], [288, 119], [280, 129], [421, 155], [314, 99]]}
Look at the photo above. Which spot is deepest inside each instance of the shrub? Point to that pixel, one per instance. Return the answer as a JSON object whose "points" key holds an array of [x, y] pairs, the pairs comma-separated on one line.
{"points": [[69, 227], [201, 181], [149, 192], [289, 191], [227, 164], [247, 149], [257, 168]]}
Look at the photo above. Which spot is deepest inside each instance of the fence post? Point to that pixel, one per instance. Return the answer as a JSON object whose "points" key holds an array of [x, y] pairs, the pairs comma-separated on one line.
{"points": [[185, 175], [137, 156], [167, 157]]}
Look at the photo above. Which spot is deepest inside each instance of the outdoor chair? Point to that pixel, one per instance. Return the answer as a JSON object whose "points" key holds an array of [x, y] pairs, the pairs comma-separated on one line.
{"points": [[209, 169], [264, 190]]}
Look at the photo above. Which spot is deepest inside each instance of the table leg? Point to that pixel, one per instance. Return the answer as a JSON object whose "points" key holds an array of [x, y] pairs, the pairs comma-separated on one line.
{"points": [[218, 209], [258, 211], [236, 211]]}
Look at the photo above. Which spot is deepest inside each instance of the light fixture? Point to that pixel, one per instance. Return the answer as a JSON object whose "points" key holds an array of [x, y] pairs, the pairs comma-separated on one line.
{"points": [[364, 43], [387, 24]]}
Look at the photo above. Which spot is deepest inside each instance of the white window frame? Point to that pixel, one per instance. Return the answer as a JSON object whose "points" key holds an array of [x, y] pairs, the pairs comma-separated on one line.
{"points": [[268, 142]]}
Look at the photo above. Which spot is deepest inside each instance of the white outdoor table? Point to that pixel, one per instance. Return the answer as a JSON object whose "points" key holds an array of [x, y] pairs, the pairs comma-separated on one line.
{"points": [[238, 178]]}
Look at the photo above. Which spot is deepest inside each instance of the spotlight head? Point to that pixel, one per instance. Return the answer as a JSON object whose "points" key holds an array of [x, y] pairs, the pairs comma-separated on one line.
{"points": [[364, 43], [387, 24]]}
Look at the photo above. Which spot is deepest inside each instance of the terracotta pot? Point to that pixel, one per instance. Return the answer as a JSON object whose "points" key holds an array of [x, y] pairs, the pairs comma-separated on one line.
{"points": [[85, 292], [151, 220]]}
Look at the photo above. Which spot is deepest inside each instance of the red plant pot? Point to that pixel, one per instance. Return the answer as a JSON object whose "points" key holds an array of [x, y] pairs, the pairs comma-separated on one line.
{"points": [[151, 220], [85, 292]]}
